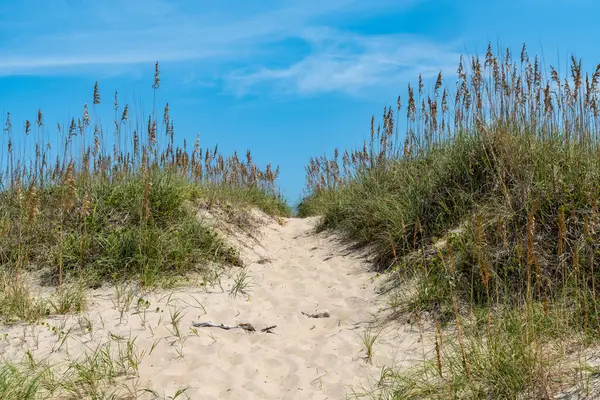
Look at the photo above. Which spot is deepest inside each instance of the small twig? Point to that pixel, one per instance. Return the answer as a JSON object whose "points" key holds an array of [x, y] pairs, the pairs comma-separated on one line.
{"points": [[268, 329]]}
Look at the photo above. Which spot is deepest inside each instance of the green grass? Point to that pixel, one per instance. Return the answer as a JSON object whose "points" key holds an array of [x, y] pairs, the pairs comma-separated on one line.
{"points": [[114, 240], [18, 384], [102, 372], [234, 197], [403, 211], [17, 302], [492, 360]]}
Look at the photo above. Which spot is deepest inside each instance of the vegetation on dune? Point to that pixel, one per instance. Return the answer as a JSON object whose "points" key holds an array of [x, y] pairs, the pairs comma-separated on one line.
{"points": [[78, 203], [483, 212], [489, 209], [100, 372]]}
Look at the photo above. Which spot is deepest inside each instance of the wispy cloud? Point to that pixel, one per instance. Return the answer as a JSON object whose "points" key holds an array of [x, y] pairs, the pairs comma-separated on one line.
{"points": [[133, 31], [241, 40], [350, 62]]}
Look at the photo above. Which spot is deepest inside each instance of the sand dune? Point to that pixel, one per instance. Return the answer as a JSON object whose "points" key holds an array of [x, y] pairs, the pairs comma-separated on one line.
{"points": [[291, 271]]}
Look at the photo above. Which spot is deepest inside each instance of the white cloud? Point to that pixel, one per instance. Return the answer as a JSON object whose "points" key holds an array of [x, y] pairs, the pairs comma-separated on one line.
{"points": [[133, 31], [348, 63], [215, 39]]}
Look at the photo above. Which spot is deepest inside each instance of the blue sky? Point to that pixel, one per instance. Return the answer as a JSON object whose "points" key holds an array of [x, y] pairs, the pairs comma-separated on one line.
{"points": [[289, 79]]}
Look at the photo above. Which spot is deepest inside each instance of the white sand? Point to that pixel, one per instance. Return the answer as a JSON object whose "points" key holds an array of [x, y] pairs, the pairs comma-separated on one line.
{"points": [[293, 271]]}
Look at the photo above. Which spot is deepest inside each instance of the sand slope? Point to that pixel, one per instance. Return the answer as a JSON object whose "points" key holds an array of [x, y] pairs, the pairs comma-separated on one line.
{"points": [[292, 270]]}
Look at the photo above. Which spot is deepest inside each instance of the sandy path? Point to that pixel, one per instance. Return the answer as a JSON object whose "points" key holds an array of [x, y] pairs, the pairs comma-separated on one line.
{"points": [[292, 271]]}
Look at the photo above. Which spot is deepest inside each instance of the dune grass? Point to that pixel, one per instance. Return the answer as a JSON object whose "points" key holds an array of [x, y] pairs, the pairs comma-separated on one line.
{"points": [[489, 209], [78, 204], [17, 384], [87, 205], [102, 372]]}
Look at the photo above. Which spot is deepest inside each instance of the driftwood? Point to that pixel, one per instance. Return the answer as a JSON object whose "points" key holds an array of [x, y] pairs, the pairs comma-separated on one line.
{"points": [[323, 314], [246, 327]]}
